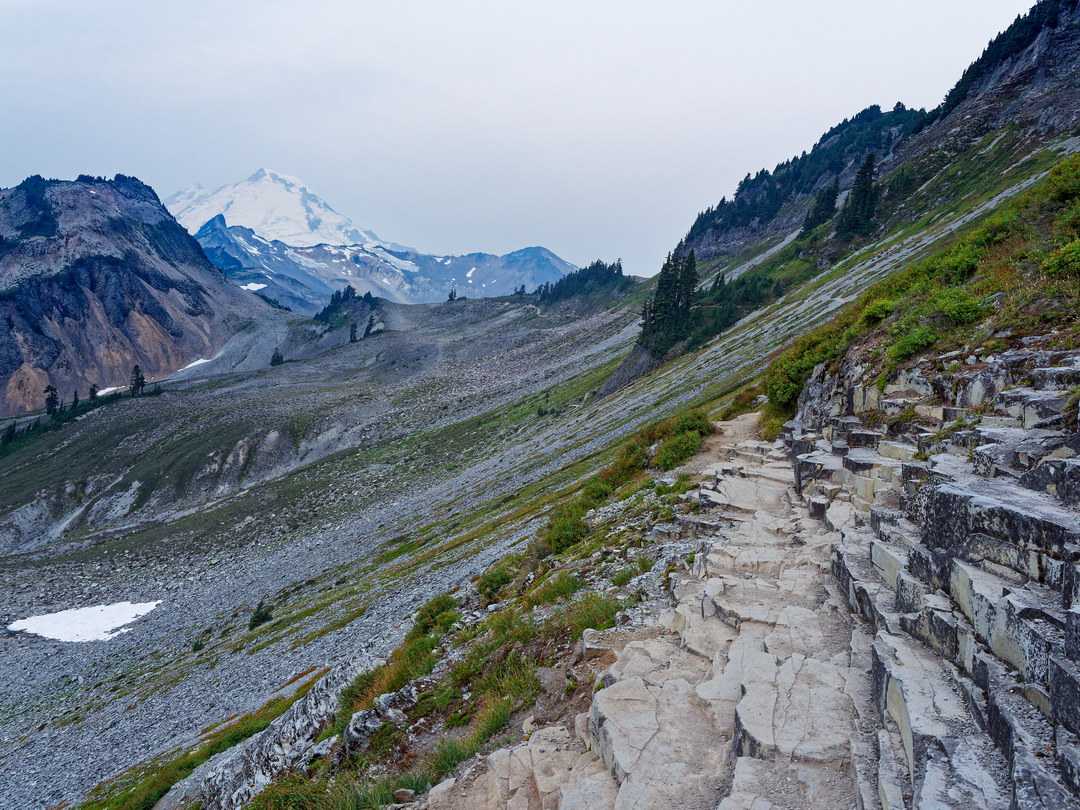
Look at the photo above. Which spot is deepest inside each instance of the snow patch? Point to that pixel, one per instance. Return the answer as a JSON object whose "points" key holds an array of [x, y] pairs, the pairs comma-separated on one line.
{"points": [[252, 287], [202, 360], [98, 623]]}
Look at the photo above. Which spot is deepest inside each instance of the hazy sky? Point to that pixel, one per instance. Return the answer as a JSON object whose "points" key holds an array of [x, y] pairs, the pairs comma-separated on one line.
{"points": [[594, 128]]}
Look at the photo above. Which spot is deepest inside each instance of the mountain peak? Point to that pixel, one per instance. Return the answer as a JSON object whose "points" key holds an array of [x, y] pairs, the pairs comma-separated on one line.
{"points": [[274, 206]]}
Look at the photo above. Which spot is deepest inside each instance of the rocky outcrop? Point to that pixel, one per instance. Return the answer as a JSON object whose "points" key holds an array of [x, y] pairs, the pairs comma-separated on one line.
{"points": [[961, 556], [96, 276]]}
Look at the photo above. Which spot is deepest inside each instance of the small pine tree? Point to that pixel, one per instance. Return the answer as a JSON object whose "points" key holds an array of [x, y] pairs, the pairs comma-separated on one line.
{"points": [[52, 400], [452, 296], [824, 207], [93, 394], [352, 330], [138, 381], [277, 358], [75, 401], [370, 325], [857, 215]]}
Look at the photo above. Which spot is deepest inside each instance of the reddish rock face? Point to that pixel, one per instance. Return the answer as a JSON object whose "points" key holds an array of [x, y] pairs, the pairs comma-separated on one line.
{"points": [[96, 276]]}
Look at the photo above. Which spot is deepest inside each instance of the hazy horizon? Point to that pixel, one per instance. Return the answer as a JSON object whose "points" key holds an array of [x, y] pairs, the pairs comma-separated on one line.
{"points": [[595, 131]]}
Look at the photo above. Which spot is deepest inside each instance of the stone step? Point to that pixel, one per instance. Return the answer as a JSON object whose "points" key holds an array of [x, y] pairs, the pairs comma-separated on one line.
{"points": [[1030, 406], [950, 764], [864, 438], [866, 591], [1000, 526], [1057, 477], [1025, 736], [1058, 378]]}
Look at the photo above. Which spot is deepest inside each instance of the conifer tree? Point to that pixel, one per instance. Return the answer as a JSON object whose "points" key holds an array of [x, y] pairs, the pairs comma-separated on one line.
{"points": [[75, 401], [52, 400], [9, 434], [824, 206], [857, 215], [93, 394], [277, 358], [352, 331], [452, 296], [138, 381], [370, 325]]}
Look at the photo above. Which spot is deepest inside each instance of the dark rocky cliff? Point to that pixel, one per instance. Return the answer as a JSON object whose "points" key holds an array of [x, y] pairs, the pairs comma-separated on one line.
{"points": [[95, 276]]}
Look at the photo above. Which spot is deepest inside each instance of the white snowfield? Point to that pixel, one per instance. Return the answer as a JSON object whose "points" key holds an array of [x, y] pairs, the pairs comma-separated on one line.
{"points": [[98, 623], [253, 286], [275, 206]]}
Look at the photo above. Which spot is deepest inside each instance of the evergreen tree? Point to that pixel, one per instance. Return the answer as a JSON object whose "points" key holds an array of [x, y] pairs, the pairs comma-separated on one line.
{"points": [[352, 331], [138, 381], [667, 318], [824, 206], [688, 281], [452, 296], [9, 434], [370, 325], [277, 358], [857, 215], [52, 400], [75, 401], [93, 392]]}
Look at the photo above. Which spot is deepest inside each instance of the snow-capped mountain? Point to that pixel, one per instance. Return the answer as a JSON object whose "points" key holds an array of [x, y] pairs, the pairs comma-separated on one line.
{"points": [[272, 235], [303, 278], [273, 205]]}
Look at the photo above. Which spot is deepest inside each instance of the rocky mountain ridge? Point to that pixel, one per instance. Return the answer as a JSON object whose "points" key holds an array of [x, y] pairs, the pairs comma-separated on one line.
{"points": [[95, 277]]}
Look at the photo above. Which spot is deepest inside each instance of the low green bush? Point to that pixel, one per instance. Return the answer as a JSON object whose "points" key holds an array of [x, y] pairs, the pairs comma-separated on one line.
{"points": [[676, 450]]}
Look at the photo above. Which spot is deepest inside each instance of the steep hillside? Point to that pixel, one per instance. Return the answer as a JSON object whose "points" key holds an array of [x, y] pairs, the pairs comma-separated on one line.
{"points": [[1019, 96], [95, 277]]}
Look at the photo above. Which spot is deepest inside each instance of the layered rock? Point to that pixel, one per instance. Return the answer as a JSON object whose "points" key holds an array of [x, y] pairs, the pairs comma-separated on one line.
{"points": [[960, 552]]}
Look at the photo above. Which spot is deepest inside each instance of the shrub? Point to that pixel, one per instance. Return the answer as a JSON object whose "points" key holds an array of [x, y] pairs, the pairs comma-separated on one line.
{"points": [[956, 304], [431, 613], [261, 615], [566, 528], [674, 451], [909, 344], [492, 581], [559, 587], [622, 576], [877, 310], [590, 611], [1065, 261]]}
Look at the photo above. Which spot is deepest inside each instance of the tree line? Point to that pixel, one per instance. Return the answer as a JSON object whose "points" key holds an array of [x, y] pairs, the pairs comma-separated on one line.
{"points": [[595, 277], [58, 411]]}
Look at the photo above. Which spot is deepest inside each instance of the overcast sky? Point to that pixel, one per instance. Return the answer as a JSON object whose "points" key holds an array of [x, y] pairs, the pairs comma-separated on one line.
{"points": [[596, 128]]}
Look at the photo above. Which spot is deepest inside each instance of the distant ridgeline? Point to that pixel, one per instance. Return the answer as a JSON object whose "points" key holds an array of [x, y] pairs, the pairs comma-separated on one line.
{"points": [[759, 199]]}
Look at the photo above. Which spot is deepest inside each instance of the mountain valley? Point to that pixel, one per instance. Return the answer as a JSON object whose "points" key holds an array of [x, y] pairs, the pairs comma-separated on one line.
{"points": [[794, 523]]}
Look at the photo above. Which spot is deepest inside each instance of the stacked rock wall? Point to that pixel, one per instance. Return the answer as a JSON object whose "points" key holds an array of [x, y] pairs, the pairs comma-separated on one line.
{"points": [[956, 492]]}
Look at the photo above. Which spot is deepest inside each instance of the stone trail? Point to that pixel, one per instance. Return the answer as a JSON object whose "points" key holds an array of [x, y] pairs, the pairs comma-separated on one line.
{"points": [[754, 694]]}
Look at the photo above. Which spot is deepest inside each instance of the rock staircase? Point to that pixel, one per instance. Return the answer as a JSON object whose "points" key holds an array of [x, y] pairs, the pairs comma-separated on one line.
{"points": [[960, 548], [752, 691]]}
